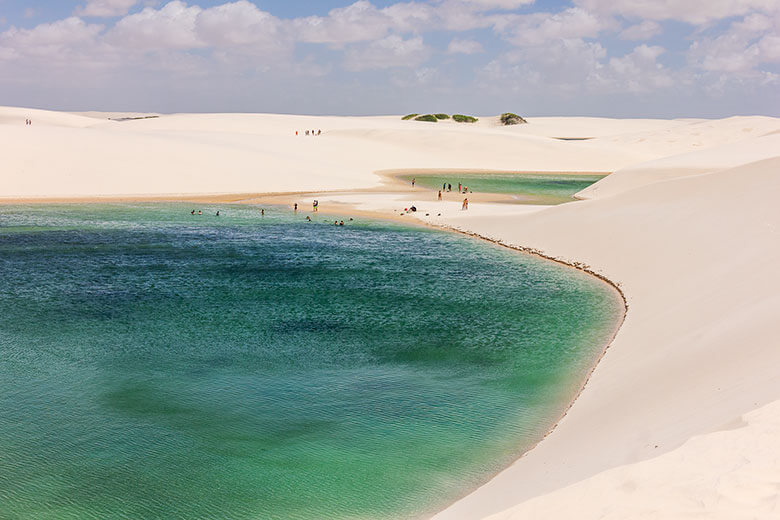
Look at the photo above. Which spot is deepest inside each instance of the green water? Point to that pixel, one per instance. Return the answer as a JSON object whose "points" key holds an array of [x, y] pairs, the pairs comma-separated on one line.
{"points": [[159, 365], [524, 187]]}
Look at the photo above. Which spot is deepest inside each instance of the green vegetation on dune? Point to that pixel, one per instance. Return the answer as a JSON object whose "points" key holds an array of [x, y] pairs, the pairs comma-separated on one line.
{"points": [[433, 118], [460, 118], [508, 118]]}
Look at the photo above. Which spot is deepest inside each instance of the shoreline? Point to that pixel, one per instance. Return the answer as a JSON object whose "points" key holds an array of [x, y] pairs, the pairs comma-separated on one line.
{"points": [[619, 322], [349, 210]]}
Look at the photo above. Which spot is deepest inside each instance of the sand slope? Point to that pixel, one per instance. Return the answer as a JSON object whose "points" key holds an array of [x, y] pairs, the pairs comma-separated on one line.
{"points": [[697, 258], [727, 475]]}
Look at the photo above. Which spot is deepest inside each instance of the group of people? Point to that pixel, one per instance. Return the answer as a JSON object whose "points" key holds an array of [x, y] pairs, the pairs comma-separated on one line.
{"points": [[465, 202], [448, 187], [461, 188], [310, 132], [28, 122], [315, 207]]}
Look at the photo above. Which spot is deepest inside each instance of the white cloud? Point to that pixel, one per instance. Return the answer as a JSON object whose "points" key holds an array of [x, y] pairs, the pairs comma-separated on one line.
{"points": [[638, 71], [389, 52], [641, 31], [457, 46], [358, 22], [741, 49], [576, 67], [539, 28], [106, 8], [225, 47], [239, 23], [692, 11], [562, 66], [172, 27], [49, 39], [481, 5]]}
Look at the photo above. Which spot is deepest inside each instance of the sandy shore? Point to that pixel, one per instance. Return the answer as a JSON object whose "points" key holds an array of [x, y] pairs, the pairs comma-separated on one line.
{"points": [[680, 418]]}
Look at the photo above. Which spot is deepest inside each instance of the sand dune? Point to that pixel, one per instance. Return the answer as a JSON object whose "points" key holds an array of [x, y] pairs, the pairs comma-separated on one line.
{"points": [[688, 226], [697, 260], [67, 155], [685, 165], [725, 475]]}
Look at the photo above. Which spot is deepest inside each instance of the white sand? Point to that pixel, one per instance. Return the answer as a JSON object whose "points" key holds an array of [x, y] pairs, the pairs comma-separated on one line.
{"points": [[689, 226]]}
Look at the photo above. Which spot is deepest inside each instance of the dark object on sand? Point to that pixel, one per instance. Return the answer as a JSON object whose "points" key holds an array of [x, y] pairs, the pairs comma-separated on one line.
{"points": [[509, 118], [460, 118]]}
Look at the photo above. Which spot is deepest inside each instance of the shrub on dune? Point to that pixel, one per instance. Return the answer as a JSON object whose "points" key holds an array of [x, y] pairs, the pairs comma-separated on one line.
{"points": [[508, 118], [441, 116], [409, 116], [427, 118], [460, 118]]}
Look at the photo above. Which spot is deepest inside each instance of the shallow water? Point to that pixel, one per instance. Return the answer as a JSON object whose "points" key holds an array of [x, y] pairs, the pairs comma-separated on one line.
{"points": [[526, 188], [159, 365]]}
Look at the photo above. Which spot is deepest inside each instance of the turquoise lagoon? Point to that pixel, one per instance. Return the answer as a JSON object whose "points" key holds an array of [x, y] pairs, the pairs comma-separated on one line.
{"points": [[159, 365], [526, 188]]}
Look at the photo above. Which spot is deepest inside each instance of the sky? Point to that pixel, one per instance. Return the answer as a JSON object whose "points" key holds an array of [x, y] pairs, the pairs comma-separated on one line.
{"points": [[615, 58]]}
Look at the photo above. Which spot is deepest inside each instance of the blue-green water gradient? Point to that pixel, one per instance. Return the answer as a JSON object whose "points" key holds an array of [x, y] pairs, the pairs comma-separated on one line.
{"points": [[525, 188], [159, 365]]}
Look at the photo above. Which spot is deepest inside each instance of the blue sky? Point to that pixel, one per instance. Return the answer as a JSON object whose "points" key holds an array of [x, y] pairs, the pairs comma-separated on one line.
{"points": [[620, 58]]}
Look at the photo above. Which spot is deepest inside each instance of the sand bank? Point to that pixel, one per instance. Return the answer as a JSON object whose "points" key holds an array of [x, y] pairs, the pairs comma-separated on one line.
{"points": [[687, 226]]}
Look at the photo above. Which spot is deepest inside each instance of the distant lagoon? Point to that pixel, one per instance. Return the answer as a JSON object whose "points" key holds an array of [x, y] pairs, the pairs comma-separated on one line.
{"points": [[156, 364], [526, 188]]}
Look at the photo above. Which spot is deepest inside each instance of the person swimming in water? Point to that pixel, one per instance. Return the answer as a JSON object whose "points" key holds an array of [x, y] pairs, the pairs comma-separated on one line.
{"points": [[308, 218], [295, 207], [200, 212], [217, 212], [341, 223], [193, 212]]}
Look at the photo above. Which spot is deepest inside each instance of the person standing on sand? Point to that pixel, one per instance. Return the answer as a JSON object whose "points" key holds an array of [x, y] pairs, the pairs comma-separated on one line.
{"points": [[439, 194], [413, 181], [459, 189], [465, 205], [315, 205], [262, 212], [449, 187]]}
